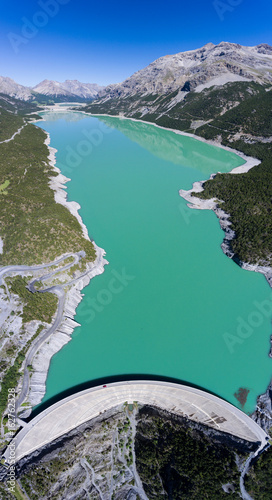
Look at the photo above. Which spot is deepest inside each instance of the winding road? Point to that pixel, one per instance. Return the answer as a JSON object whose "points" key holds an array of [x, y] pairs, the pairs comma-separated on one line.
{"points": [[6, 270], [58, 291], [246, 468], [15, 133]]}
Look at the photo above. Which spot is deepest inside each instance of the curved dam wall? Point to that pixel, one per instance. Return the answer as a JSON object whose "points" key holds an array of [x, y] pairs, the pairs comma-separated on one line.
{"points": [[189, 402]]}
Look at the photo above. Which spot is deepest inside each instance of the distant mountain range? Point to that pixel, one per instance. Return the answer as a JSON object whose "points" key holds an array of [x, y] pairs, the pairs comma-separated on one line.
{"points": [[70, 90], [163, 84], [166, 82]]}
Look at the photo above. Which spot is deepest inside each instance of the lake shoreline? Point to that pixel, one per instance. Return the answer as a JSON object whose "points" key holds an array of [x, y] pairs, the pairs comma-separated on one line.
{"points": [[250, 161], [212, 204], [263, 400], [42, 359], [223, 217]]}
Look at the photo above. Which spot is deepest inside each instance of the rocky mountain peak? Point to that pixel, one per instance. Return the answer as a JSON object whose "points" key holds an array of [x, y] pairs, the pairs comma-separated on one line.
{"points": [[13, 89], [197, 69]]}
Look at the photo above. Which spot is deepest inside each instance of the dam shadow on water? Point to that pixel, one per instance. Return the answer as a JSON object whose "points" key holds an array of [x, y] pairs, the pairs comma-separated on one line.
{"points": [[109, 380], [172, 318]]}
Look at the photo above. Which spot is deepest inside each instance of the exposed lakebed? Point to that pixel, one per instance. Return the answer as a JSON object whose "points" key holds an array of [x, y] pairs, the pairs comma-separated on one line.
{"points": [[169, 301]]}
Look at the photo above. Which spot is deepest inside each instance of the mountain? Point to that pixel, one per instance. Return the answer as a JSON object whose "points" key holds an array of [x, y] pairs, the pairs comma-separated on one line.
{"points": [[175, 76], [221, 93], [85, 90], [13, 89], [68, 90], [51, 88], [199, 69]]}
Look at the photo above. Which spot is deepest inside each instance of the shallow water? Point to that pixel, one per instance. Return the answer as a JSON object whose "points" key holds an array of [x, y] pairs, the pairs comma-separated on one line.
{"points": [[169, 303]]}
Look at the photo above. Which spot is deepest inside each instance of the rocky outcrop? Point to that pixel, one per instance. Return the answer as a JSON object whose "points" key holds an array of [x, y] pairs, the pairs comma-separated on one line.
{"points": [[70, 88], [263, 413], [111, 457], [94, 461], [13, 89], [196, 70], [225, 224], [63, 334], [86, 90]]}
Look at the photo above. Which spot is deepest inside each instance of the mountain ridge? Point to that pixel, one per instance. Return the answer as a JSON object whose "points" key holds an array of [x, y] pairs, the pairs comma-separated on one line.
{"points": [[51, 88], [196, 69], [68, 88]]}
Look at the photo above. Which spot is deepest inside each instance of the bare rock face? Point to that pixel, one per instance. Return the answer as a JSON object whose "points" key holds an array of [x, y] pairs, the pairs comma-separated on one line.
{"points": [[209, 65], [70, 88], [13, 89], [263, 412], [87, 90], [96, 460], [132, 452]]}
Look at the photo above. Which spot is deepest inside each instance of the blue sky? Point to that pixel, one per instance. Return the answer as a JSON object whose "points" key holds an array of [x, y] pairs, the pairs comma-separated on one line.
{"points": [[108, 41]]}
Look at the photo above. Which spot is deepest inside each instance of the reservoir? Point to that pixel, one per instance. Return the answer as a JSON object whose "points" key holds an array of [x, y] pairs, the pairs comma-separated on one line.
{"points": [[170, 303]]}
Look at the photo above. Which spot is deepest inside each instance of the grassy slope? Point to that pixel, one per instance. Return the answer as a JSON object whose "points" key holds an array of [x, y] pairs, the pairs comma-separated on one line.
{"points": [[197, 106]]}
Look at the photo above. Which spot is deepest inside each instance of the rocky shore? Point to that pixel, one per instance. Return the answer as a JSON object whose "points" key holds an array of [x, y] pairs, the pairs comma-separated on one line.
{"points": [[62, 336], [263, 412], [212, 204]]}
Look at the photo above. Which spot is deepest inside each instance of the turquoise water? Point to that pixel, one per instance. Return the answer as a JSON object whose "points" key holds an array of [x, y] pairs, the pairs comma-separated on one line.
{"points": [[181, 308]]}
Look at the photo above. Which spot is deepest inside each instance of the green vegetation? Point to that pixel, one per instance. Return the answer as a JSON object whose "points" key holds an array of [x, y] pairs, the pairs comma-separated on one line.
{"points": [[34, 228], [12, 373], [59, 472], [121, 105], [258, 482], [9, 124], [3, 187], [247, 197], [43, 477], [205, 105], [177, 461], [5, 494], [13, 115], [209, 103], [15, 494], [10, 380], [239, 115], [175, 458], [18, 493], [44, 99], [253, 115], [37, 306]]}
